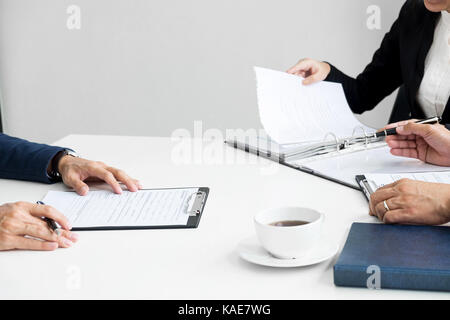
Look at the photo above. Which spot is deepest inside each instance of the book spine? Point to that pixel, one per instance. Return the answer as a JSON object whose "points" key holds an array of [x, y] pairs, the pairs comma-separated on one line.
{"points": [[353, 276]]}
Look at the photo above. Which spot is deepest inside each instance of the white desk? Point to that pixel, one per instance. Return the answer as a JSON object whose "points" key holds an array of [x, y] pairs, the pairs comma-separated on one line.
{"points": [[188, 264]]}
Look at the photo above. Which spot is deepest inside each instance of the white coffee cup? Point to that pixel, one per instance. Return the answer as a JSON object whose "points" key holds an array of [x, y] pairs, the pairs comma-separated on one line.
{"points": [[292, 241]]}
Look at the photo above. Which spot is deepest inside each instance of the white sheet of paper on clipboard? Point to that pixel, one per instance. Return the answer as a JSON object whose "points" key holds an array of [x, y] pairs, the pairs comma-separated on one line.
{"points": [[145, 209]]}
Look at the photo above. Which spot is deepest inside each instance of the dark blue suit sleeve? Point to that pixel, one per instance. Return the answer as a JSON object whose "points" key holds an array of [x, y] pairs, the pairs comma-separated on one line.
{"points": [[24, 160]]}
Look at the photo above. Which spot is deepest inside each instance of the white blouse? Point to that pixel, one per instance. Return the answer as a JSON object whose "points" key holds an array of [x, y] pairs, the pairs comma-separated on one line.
{"points": [[434, 90]]}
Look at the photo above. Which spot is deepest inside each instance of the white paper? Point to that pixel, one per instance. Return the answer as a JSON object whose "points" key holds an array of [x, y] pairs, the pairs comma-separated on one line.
{"points": [[379, 180], [378, 160], [106, 209], [292, 113]]}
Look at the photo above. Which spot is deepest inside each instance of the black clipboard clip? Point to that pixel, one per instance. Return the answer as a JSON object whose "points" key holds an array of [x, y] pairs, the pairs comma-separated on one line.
{"points": [[365, 186]]}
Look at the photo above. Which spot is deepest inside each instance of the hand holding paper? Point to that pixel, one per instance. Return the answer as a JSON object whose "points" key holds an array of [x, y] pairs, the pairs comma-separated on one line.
{"points": [[292, 113]]}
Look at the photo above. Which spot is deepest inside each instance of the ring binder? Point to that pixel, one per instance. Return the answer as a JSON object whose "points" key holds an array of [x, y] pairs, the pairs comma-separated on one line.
{"points": [[298, 156], [306, 151]]}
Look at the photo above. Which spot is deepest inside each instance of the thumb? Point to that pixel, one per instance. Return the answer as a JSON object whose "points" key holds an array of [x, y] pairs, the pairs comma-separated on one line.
{"points": [[79, 186]]}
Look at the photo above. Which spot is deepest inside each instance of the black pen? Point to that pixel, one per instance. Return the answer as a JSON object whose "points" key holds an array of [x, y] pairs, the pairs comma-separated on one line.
{"points": [[393, 131], [50, 222]]}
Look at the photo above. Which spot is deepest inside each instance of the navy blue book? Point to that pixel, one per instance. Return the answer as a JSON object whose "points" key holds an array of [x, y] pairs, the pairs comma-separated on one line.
{"points": [[396, 257]]}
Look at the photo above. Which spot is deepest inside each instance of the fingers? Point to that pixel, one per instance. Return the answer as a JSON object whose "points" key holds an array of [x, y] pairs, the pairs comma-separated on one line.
{"points": [[397, 124], [313, 71], [409, 202], [398, 197], [49, 212], [37, 231], [411, 137], [302, 66], [42, 231], [131, 184], [407, 153], [313, 78], [381, 211], [64, 240], [68, 235], [379, 196], [74, 181], [423, 130], [77, 170], [397, 212], [112, 175], [109, 178], [28, 218], [398, 216], [402, 144], [22, 227], [23, 243]]}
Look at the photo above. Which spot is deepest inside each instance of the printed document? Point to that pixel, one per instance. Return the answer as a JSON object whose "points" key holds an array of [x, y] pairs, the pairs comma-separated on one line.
{"points": [[158, 207], [292, 113]]}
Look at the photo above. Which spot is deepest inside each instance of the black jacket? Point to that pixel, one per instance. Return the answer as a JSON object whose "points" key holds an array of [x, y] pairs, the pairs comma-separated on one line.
{"points": [[399, 62]]}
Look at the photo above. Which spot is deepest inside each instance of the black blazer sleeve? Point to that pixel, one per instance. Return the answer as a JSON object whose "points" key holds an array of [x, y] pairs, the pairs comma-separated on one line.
{"points": [[379, 79], [23, 160]]}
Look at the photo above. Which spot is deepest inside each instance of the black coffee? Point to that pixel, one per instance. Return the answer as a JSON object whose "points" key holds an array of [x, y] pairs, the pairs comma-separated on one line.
{"points": [[288, 223]]}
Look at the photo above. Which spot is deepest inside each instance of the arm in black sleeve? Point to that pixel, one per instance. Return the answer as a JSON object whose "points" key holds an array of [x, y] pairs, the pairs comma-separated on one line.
{"points": [[379, 79], [23, 160]]}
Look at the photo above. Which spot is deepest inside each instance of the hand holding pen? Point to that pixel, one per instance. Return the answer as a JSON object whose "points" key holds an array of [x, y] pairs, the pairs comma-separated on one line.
{"points": [[391, 129], [426, 142], [50, 222], [22, 226], [62, 235]]}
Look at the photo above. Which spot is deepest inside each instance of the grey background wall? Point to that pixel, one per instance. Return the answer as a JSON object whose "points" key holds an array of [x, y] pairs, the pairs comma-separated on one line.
{"points": [[148, 67]]}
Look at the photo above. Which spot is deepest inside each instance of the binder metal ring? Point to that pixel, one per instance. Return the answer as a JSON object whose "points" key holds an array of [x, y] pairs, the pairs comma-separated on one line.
{"points": [[335, 138], [366, 137]]}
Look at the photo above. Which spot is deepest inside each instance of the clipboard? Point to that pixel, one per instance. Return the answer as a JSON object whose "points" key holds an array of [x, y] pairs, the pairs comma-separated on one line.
{"points": [[281, 160], [194, 208]]}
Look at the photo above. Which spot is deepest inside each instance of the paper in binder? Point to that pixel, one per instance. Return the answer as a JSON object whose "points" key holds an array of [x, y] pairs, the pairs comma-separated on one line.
{"points": [[312, 129], [316, 116]]}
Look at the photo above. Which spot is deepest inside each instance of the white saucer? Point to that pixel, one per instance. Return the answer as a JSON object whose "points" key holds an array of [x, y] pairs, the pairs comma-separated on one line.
{"points": [[251, 251]]}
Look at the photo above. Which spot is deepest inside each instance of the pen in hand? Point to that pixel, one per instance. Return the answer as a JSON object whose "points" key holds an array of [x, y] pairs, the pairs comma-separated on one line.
{"points": [[51, 223], [393, 131]]}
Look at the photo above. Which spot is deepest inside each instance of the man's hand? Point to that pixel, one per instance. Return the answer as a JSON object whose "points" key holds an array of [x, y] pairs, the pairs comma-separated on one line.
{"points": [[429, 143], [22, 227], [74, 171], [412, 202]]}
